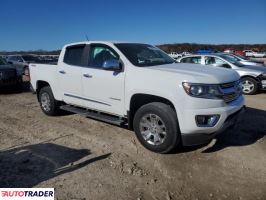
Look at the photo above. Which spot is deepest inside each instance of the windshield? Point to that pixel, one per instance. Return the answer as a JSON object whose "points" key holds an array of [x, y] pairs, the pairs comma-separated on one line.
{"points": [[239, 57], [2, 62], [143, 55], [30, 58], [232, 60]]}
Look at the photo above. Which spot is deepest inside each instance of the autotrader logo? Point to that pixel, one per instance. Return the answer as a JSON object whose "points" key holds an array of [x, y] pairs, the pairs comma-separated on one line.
{"points": [[27, 193]]}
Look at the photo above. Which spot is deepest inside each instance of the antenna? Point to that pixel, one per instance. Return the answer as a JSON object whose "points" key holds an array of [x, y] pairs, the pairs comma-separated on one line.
{"points": [[87, 37]]}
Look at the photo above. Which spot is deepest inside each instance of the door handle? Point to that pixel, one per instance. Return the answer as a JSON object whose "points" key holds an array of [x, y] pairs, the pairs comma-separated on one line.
{"points": [[87, 75], [62, 72]]}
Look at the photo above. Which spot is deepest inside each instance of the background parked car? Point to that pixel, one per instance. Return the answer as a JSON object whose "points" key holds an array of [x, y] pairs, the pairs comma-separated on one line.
{"points": [[250, 53], [206, 51], [22, 62], [229, 50], [185, 53], [239, 52], [175, 55], [253, 77], [8, 74], [246, 61]]}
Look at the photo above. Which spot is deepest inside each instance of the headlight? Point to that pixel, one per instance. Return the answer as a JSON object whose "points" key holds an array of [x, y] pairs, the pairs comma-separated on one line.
{"points": [[202, 90]]}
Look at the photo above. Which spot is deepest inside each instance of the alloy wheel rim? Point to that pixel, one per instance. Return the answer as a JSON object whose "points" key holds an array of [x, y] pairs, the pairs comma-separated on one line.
{"points": [[153, 129], [45, 102], [248, 86]]}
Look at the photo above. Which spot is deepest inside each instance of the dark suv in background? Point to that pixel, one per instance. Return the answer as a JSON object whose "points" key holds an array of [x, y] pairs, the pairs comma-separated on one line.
{"points": [[22, 62], [9, 75]]}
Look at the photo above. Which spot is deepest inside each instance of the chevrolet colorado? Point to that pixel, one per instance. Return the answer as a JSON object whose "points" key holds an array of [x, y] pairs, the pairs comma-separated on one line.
{"points": [[140, 86]]}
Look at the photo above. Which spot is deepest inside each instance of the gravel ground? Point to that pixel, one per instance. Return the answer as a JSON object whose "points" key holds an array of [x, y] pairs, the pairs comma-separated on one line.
{"points": [[86, 159]]}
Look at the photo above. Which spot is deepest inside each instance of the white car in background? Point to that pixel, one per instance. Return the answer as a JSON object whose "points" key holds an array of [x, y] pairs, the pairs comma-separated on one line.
{"points": [[250, 53], [175, 55], [253, 77], [185, 53]]}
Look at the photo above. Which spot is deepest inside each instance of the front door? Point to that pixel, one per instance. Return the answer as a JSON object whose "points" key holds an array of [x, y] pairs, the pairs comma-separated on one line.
{"points": [[102, 89]]}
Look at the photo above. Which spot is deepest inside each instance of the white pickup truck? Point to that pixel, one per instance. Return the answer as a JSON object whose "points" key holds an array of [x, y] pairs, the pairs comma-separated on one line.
{"points": [[140, 86]]}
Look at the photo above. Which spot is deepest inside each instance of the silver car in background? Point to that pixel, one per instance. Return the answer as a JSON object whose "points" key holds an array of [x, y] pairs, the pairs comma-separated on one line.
{"points": [[253, 77], [246, 61]]}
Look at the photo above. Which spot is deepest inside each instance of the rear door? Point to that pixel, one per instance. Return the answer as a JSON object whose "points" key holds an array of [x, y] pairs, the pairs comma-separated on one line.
{"points": [[69, 73], [103, 90]]}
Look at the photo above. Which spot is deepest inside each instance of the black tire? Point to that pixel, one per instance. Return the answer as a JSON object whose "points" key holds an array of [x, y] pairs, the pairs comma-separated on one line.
{"points": [[53, 108], [252, 81], [168, 116]]}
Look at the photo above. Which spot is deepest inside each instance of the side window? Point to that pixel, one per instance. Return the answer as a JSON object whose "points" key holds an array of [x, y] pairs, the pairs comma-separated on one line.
{"points": [[213, 61], [11, 58], [100, 54], [74, 54], [19, 59], [194, 60], [186, 60]]}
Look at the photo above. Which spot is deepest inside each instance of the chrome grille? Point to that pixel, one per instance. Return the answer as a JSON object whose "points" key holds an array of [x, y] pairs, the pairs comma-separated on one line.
{"points": [[231, 91]]}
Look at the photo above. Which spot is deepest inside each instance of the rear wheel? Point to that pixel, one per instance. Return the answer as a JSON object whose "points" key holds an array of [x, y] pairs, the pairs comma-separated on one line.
{"points": [[48, 104], [156, 127], [249, 86]]}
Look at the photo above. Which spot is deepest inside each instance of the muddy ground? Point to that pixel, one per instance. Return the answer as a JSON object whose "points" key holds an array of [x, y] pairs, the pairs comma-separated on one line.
{"points": [[86, 159]]}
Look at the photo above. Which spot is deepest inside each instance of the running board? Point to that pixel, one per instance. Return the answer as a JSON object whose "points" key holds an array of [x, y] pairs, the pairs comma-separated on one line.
{"points": [[94, 115]]}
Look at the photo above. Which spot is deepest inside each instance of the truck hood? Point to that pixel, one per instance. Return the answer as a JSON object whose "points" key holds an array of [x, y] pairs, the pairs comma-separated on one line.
{"points": [[200, 73]]}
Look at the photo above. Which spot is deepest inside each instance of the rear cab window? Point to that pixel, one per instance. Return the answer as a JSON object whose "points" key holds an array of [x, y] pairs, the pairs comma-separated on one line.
{"points": [[74, 55]]}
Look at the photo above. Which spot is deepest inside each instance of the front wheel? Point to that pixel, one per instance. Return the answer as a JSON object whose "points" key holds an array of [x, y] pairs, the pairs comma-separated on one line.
{"points": [[156, 127], [249, 86], [48, 104]]}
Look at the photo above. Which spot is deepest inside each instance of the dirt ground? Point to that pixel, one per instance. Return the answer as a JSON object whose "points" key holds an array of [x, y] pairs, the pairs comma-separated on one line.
{"points": [[86, 159]]}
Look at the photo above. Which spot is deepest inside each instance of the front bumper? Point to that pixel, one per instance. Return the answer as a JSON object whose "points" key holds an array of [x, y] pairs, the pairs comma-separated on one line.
{"points": [[192, 134], [203, 138]]}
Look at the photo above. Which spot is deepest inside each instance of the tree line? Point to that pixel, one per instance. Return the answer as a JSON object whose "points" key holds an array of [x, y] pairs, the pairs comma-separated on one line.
{"points": [[192, 47], [177, 47]]}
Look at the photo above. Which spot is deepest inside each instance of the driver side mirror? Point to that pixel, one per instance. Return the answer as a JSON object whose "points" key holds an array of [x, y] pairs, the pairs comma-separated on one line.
{"points": [[112, 65]]}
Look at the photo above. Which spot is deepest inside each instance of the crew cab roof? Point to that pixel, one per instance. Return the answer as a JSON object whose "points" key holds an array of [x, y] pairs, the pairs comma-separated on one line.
{"points": [[100, 42]]}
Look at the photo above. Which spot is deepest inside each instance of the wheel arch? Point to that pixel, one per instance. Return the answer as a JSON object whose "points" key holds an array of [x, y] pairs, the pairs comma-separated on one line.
{"points": [[140, 99], [250, 76], [39, 85]]}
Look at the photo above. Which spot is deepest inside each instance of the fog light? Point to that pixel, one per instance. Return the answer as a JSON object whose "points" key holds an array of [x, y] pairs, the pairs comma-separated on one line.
{"points": [[207, 120]]}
